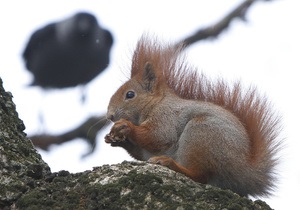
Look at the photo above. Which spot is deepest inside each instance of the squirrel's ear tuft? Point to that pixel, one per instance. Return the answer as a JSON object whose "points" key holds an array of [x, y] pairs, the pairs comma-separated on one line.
{"points": [[149, 76]]}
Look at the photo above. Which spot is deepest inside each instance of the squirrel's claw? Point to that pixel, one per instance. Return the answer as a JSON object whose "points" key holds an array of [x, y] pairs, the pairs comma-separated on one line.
{"points": [[118, 133], [111, 138], [161, 160]]}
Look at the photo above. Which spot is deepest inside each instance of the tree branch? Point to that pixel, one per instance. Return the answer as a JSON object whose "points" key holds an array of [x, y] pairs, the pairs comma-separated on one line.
{"points": [[87, 130], [217, 28]]}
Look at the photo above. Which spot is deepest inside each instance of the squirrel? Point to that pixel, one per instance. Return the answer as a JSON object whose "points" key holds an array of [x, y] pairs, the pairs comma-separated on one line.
{"points": [[211, 131]]}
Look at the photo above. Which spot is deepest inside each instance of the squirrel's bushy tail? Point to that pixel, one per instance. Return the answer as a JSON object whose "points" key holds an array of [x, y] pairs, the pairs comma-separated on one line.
{"points": [[260, 121], [253, 110]]}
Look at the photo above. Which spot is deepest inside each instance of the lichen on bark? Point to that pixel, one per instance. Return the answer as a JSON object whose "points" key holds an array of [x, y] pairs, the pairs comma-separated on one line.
{"points": [[131, 185], [20, 165]]}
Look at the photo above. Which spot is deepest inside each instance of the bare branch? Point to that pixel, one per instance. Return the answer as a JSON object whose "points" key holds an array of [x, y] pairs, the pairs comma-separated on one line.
{"points": [[217, 28], [87, 131]]}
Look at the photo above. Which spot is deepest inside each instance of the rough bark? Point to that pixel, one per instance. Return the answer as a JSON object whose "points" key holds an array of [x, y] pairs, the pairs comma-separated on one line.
{"points": [[21, 167]]}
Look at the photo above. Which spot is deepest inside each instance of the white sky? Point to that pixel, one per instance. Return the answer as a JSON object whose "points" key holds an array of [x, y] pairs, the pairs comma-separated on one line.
{"points": [[261, 52]]}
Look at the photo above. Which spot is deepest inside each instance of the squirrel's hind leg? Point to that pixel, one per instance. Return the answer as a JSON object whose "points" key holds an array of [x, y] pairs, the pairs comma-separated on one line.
{"points": [[173, 165]]}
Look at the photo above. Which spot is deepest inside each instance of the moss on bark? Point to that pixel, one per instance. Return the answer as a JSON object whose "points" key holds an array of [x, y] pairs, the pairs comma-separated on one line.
{"points": [[20, 165]]}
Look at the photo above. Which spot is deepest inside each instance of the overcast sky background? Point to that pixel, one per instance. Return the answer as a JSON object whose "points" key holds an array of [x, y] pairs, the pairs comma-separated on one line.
{"points": [[264, 51]]}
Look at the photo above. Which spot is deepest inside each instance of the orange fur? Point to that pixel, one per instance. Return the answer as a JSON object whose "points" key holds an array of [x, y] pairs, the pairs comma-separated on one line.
{"points": [[253, 110]]}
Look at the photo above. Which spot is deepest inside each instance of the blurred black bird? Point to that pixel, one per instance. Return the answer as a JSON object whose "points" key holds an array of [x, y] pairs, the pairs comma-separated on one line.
{"points": [[68, 53]]}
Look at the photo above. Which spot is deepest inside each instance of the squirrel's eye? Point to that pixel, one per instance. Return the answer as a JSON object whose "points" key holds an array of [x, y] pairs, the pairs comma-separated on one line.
{"points": [[130, 94]]}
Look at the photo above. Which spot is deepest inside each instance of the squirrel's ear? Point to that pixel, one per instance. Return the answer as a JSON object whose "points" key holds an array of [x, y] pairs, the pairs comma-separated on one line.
{"points": [[149, 76]]}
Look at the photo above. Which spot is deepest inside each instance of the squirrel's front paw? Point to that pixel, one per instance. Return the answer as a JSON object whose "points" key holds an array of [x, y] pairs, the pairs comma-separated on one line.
{"points": [[118, 132]]}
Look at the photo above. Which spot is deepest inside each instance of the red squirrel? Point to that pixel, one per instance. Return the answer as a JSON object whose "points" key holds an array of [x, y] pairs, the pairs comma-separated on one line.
{"points": [[211, 131]]}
